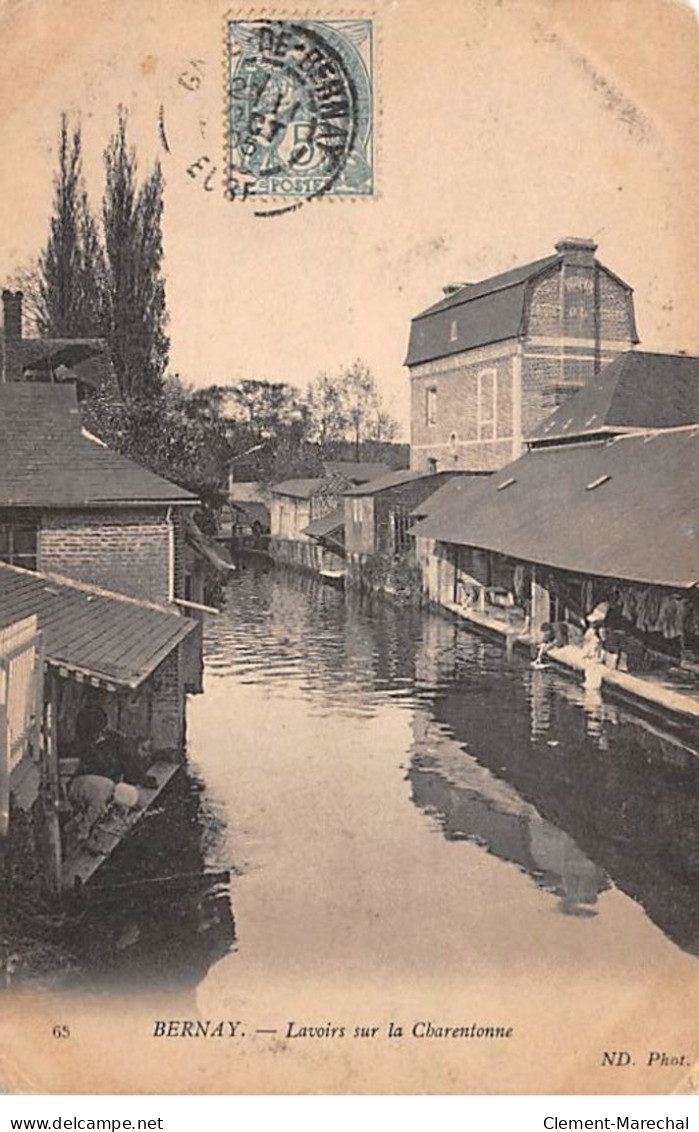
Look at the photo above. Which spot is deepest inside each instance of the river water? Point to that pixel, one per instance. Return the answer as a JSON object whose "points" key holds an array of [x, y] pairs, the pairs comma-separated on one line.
{"points": [[418, 828]]}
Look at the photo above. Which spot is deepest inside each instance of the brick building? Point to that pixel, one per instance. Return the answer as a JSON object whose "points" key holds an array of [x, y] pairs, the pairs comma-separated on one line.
{"points": [[69, 506], [378, 515], [492, 359], [377, 518]]}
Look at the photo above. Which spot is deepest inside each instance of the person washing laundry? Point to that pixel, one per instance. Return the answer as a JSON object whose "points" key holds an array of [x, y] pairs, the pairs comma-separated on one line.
{"points": [[104, 752], [548, 637], [592, 646], [109, 772]]}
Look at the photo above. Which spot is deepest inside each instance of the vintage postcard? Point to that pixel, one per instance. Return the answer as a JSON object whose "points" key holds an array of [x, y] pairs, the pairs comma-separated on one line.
{"points": [[349, 622]]}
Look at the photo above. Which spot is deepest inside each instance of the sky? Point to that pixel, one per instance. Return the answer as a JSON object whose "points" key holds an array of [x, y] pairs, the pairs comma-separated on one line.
{"points": [[502, 125]]}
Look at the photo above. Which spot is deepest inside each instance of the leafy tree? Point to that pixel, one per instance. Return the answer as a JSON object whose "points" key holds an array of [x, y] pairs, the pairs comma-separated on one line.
{"points": [[177, 432], [360, 399], [348, 407], [326, 409], [66, 296], [136, 313], [267, 407]]}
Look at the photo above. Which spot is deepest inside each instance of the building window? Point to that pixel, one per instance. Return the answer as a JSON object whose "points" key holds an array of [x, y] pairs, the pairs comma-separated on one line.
{"points": [[401, 524], [431, 465], [18, 540], [487, 404], [431, 406], [453, 331]]}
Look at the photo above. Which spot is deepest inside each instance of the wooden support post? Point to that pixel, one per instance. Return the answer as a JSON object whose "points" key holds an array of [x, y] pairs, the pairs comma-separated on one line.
{"points": [[4, 758], [540, 607], [50, 793]]}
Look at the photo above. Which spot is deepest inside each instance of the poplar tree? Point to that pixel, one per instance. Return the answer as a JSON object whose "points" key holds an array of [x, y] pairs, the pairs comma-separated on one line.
{"points": [[68, 297], [135, 306]]}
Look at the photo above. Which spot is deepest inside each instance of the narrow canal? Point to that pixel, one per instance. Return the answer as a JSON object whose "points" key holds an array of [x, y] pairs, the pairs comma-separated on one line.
{"points": [[387, 782], [418, 828]]}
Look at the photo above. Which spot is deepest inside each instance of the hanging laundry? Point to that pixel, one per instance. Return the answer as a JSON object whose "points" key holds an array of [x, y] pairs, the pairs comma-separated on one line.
{"points": [[671, 617], [648, 611], [629, 604]]}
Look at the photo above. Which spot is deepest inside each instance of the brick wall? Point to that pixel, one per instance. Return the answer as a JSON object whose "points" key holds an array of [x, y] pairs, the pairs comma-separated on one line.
{"points": [[616, 310], [577, 318], [583, 302], [123, 550], [166, 689], [464, 434], [550, 376]]}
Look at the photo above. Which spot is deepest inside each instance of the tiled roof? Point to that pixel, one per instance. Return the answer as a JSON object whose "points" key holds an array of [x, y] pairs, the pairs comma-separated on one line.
{"points": [[355, 471], [625, 508], [89, 631], [46, 461], [385, 482], [321, 528], [500, 282], [451, 488], [637, 390], [489, 311], [248, 491], [299, 489], [477, 314]]}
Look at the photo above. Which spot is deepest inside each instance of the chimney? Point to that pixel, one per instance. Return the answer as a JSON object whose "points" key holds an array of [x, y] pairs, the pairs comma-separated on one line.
{"points": [[576, 251], [12, 314], [452, 288]]}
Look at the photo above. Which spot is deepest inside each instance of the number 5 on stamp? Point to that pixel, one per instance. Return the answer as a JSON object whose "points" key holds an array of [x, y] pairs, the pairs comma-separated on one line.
{"points": [[300, 109]]}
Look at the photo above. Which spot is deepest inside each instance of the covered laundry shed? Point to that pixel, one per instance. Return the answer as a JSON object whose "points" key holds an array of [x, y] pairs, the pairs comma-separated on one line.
{"points": [[99, 648], [126, 654]]}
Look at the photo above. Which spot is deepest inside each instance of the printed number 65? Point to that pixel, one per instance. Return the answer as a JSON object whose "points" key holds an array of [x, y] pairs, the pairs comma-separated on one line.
{"points": [[61, 1031]]}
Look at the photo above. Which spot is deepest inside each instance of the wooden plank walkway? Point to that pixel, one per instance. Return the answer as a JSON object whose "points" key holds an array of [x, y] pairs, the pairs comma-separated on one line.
{"points": [[652, 690], [107, 834]]}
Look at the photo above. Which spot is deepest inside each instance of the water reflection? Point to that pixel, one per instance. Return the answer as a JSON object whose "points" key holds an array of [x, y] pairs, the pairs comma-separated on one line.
{"points": [[156, 917], [160, 914], [623, 792], [580, 794], [318, 706], [471, 803]]}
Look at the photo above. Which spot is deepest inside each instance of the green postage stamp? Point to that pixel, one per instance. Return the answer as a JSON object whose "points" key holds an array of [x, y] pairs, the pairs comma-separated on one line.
{"points": [[300, 109]]}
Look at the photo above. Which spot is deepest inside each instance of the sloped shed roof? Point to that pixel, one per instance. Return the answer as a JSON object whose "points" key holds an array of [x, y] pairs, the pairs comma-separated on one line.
{"points": [[46, 461], [327, 524], [637, 390], [355, 471], [89, 631], [385, 482], [297, 489], [626, 508]]}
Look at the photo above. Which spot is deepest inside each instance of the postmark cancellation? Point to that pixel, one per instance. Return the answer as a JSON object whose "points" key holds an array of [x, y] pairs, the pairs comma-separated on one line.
{"points": [[300, 109]]}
